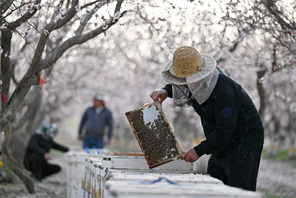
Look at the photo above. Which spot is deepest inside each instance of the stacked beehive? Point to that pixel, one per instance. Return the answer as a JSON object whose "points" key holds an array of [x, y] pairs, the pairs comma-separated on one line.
{"points": [[127, 175], [78, 171], [166, 188]]}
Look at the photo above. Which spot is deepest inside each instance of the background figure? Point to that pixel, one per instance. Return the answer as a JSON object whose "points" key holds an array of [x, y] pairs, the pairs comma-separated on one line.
{"points": [[37, 152], [93, 123]]}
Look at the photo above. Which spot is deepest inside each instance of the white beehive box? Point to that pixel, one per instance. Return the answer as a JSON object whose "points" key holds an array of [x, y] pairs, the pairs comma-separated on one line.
{"points": [[95, 180], [148, 176], [137, 162], [99, 181], [164, 189], [76, 172]]}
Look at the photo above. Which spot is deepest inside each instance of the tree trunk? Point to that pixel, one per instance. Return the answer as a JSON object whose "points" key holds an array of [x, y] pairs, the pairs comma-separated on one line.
{"points": [[14, 165], [261, 92], [19, 171], [24, 127], [5, 74]]}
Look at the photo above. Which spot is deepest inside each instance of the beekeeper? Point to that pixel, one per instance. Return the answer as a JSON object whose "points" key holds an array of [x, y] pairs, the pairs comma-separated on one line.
{"points": [[232, 126]]}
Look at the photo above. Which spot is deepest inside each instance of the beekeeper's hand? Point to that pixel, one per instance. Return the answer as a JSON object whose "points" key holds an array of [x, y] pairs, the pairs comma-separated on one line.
{"points": [[159, 95], [190, 156], [47, 156]]}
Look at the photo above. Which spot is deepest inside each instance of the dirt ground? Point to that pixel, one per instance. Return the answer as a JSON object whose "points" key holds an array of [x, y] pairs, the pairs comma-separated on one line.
{"points": [[51, 187], [275, 178]]}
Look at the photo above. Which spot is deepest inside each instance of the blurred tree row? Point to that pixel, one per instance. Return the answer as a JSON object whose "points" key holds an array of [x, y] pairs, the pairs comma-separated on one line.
{"points": [[270, 25], [34, 36]]}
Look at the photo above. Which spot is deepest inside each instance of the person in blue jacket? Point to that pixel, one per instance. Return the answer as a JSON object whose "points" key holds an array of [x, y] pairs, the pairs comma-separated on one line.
{"points": [[93, 123], [232, 125]]}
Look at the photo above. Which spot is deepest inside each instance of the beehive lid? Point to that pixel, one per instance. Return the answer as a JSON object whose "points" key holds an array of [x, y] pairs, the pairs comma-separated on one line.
{"points": [[154, 134], [150, 176], [163, 188]]}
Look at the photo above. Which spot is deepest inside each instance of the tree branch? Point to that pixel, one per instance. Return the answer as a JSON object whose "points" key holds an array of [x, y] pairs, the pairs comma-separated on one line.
{"points": [[89, 4], [91, 13], [5, 5], [86, 19], [118, 6], [16, 8], [24, 18], [13, 64], [56, 11], [234, 47], [56, 54], [61, 22], [269, 4]]}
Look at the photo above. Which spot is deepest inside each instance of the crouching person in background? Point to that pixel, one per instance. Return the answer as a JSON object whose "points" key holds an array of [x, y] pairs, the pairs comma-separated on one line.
{"points": [[37, 152]]}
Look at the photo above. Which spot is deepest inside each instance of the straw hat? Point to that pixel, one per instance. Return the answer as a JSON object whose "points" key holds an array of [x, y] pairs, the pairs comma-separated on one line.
{"points": [[188, 66]]}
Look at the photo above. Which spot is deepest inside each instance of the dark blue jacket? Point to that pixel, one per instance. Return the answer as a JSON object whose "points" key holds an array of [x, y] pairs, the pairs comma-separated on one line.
{"points": [[95, 124], [229, 119]]}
